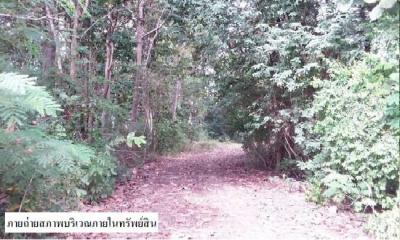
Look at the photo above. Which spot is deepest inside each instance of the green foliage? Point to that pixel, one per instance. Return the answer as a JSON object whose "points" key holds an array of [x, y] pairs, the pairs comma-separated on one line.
{"points": [[19, 96], [42, 166], [39, 171], [385, 226], [137, 140], [268, 54], [357, 154], [171, 136], [314, 194], [130, 140], [99, 176], [255, 71], [392, 111], [67, 5]]}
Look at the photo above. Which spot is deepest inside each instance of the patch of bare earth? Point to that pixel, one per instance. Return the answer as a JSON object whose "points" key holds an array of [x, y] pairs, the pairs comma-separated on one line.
{"points": [[212, 195]]}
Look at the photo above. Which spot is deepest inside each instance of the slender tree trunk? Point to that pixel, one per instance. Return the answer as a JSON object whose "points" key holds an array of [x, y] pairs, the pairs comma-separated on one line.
{"points": [[55, 34], [175, 101], [86, 97], [75, 25], [74, 38], [191, 109], [105, 116], [148, 110], [74, 41], [140, 28], [91, 72], [47, 55]]}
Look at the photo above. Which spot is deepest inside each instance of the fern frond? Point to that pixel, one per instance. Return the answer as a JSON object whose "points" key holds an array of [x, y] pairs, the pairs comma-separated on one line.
{"points": [[17, 84], [12, 115], [19, 96], [39, 100]]}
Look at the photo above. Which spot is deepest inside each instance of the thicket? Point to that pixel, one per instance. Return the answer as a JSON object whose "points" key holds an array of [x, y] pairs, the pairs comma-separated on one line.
{"points": [[356, 149], [385, 226], [309, 86], [109, 89], [171, 136], [40, 169]]}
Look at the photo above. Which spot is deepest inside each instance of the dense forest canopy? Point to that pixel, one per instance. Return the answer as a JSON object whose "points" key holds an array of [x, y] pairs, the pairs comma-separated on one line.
{"points": [[89, 88]]}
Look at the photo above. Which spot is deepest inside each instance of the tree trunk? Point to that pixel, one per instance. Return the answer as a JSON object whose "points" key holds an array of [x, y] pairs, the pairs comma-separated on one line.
{"points": [[74, 38], [48, 55], [105, 116], [91, 72], [55, 33], [191, 110], [175, 101], [74, 41], [148, 111], [139, 71]]}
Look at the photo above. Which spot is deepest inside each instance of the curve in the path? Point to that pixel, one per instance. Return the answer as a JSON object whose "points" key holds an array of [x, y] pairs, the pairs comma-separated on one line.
{"points": [[213, 195]]}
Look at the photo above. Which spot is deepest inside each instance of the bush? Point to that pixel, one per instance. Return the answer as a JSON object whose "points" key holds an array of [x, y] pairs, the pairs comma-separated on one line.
{"points": [[38, 171], [385, 226], [314, 193], [100, 176], [357, 157], [171, 136]]}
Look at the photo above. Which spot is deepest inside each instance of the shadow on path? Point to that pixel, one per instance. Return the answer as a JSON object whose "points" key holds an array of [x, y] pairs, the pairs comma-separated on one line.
{"points": [[212, 195]]}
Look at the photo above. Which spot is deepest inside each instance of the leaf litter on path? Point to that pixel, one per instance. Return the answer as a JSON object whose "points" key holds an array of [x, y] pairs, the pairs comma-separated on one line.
{"points": [[213, 195]]}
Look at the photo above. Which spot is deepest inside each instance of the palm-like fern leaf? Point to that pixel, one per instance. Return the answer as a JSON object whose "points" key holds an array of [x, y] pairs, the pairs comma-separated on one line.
{"points": [[19, 95]]}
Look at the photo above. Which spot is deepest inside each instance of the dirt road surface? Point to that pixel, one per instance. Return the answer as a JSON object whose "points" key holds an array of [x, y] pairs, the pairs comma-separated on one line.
{"points": [[213, 195]]}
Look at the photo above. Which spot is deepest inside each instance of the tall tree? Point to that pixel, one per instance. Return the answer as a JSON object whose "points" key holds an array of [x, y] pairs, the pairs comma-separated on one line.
{"points": [[112, 20], [56, 38], [139, 34]]}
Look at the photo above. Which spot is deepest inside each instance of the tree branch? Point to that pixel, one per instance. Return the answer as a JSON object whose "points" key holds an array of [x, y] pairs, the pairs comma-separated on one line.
{"points": [[30, 18], [25, 192], [158, 26], [155, 30]]}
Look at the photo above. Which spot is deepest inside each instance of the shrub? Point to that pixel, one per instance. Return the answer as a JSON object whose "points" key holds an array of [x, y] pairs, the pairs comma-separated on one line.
{"points": [[314, 193], [39, 171], [385, 226], [100, 176], [357, 156], [171, 136]]}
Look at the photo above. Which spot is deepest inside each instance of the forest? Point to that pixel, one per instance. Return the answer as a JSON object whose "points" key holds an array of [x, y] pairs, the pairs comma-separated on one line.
{"points": [[110, 103]]}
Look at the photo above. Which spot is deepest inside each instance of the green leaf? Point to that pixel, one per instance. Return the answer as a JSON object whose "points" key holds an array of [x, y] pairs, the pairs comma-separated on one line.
{"points": [[137, 140]]}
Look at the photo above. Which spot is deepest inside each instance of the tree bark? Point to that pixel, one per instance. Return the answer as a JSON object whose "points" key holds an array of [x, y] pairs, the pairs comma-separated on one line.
{"points": [[191, 114], [91, 72], [175, 101], [147, 107], [74, 41], [48, 55], [140, 28], [55, 34], [105, 116], [74, 38]]}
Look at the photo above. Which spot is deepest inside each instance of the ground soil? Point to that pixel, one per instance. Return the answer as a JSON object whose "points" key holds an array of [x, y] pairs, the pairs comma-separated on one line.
{"points": [[214, 194]]}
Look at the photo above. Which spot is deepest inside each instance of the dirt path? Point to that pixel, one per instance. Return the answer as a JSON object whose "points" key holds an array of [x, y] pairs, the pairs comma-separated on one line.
{"points": [[212, 195]]}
